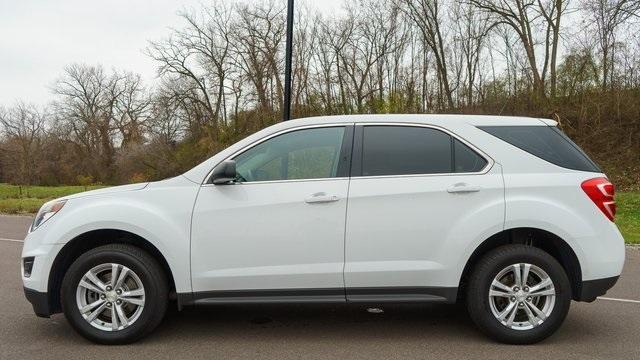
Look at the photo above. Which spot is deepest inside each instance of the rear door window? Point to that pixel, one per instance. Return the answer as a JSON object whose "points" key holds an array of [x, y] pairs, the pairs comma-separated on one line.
{"points": [[546, 142], [410, 150], [402, 150]]}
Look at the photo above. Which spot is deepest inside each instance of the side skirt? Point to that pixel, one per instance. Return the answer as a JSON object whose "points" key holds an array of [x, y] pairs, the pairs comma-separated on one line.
{"points": [[321, 296], [403, 295]]}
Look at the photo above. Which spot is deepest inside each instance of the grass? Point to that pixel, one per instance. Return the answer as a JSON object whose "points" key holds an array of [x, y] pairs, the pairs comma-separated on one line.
{"points": [[628, 216], [27, 200], [16, 199]]}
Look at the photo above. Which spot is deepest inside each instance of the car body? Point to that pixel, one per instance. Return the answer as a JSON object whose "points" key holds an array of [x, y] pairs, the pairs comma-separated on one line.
{"points": [[369, 232]]}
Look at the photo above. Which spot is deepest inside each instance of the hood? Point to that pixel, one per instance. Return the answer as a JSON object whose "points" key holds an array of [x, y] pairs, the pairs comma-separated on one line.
{"points": [[109, 190]]}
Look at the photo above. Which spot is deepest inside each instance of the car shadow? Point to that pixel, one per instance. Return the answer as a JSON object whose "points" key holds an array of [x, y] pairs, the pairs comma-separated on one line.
{"points": [[353, 322]]}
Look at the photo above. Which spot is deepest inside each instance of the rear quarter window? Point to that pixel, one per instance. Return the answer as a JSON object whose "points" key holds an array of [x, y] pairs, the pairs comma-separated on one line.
{"points": [[545, 142]]}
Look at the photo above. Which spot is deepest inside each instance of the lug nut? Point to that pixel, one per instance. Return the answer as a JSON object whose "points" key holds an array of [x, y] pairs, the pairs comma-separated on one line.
{"points": [[103, 296], [526, 288], [118, 302], [529, 298], [109, 288], [119, 292], [109, 304], [513, 299], [516, 289], [520, 304]]}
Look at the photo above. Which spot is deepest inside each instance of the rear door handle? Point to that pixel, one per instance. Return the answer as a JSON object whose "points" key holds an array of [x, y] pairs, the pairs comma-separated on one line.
{"points": [[321, 197], [463, 188]]}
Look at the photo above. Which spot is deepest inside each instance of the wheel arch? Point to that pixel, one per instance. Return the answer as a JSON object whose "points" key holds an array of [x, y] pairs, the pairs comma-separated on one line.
{"points": [[90, 240], [547, 241]]}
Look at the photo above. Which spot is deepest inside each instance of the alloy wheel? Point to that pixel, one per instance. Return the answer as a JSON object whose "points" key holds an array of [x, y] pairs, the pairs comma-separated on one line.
{"points": [[110, 297], [522, 296]]}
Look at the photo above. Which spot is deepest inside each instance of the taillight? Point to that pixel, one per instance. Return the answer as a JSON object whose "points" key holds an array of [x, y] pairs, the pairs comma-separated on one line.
{"points": [[601, 192]]}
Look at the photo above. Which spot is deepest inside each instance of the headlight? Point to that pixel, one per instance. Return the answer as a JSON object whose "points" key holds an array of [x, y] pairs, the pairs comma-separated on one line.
{"points": [[46, 212]]}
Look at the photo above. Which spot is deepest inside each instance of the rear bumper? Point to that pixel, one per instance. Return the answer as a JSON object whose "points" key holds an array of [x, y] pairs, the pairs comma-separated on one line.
{"points": [[39, 301], [591, 289]]}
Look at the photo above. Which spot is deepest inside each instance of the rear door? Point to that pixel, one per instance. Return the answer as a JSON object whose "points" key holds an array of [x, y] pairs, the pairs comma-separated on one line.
{"points": [[416, 193]]}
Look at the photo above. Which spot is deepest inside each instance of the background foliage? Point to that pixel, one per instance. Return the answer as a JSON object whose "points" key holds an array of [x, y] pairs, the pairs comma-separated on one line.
{"points": [[577, 62]]}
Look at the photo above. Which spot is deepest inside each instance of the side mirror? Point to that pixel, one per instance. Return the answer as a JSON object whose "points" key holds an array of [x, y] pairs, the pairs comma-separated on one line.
{"points": [[224, 173]]}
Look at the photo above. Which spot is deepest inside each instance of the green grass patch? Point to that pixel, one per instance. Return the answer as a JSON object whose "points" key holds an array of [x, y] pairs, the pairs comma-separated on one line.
{"points": [[21, 205], [16, 199], [41, 192], [628, 216], [26, 200]]}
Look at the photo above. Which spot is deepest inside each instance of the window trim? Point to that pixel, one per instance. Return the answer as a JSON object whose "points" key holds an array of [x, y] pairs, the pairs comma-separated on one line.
{"points": [[347, 146], [356, 164]]}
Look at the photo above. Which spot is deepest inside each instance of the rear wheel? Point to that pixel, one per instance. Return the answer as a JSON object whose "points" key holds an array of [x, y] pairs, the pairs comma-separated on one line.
{"points": [[114, 294], [518, 294]]}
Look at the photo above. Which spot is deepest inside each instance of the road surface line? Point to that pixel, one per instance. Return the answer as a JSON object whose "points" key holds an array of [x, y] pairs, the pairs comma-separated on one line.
{"points": [[12, 240], [620, 300]]}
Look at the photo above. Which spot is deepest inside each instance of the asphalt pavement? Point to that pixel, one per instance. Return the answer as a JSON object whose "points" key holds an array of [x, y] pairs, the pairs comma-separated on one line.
{"points": [[605, 329]]}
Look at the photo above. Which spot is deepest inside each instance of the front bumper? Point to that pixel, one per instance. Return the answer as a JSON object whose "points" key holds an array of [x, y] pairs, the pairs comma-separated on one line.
{"points": [[39, 301], [591, 289]]}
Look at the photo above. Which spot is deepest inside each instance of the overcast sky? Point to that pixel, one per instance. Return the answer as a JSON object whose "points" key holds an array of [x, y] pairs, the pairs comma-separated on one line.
{"points": [[38, 38]]}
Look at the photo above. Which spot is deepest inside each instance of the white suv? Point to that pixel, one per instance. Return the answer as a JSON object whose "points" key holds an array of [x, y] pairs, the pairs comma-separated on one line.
{"points": [[504, 213]]}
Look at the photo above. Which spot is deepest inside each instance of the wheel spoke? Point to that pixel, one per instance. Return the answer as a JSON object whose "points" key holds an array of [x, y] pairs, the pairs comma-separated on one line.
{"points": [[93, 279], [546, 292], [537, 311], [541, 285], [525, 274], [114, 274], [512, 315], [91, 306], [518, 275], [498, 293], [500, 285], [532, 318], [89, 286], [131, 293], [134, 301], [123, 274], [507, 311], [114, 318], [96, 312], [121, 316]]}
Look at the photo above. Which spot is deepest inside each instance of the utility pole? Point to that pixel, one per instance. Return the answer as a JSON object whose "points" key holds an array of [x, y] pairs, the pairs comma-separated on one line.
{"points": [[286, 112]]}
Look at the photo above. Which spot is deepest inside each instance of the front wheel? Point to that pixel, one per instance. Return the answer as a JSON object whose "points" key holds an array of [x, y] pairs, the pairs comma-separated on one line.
{"points": [[518, 294], [114, 294]]}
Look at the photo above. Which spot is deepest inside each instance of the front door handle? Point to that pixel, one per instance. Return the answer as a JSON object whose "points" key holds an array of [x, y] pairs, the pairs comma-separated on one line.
{"points": [[463, 188], [321, 197]]}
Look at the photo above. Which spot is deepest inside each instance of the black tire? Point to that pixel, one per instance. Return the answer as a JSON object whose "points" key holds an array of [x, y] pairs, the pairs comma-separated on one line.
{"points": [[477, 295], [144, 266]]}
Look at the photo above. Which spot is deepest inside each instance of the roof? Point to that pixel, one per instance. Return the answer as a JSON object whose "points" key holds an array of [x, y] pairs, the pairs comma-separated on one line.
{"points": [[432, 119]]}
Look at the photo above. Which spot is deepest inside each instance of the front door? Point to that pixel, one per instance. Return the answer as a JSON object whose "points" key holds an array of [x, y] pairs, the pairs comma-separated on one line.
{"points": [[278, 232]]}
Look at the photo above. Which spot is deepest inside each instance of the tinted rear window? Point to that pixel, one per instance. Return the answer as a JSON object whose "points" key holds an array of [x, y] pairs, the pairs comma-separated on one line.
{"points": [[398, 150], [406, 150], [547, 143]]}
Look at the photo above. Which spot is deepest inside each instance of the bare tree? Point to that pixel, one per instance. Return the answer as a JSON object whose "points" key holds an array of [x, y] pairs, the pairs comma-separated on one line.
{"points": [[23, 125], [258, 37], [471, 29], [96, 106], [200, 55], [608, 16], [427, 15], [535, 22]]}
